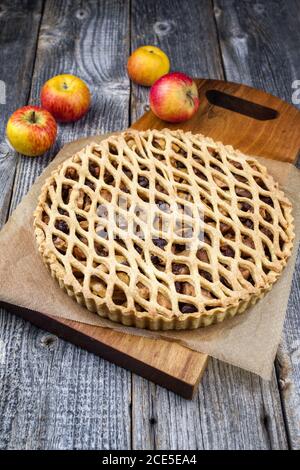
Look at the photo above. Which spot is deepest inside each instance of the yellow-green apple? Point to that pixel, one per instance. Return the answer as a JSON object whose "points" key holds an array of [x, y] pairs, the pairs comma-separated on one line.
{"points": [[147, 64], [66, 97], [31, 130], [174, 97]]}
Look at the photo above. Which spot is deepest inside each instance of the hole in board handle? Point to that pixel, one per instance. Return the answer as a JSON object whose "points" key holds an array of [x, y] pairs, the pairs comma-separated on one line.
{"points": [[241, 106]]}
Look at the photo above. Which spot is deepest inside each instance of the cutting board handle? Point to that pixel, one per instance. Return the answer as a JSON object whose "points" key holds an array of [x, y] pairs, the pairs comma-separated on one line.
{"points": [[241, 105], [249, 119]]}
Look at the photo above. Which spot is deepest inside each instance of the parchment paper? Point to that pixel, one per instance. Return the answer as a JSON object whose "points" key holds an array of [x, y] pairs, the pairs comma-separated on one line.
{"points": [[249, 340]]}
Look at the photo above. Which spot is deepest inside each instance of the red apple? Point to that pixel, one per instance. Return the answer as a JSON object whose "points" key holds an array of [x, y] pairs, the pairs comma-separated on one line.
{"points": [[31, 130], [174, 97], [66, 97]]}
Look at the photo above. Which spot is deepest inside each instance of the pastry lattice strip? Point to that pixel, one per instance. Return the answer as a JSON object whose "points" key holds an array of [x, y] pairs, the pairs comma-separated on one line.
{"points": [[167, 223]]}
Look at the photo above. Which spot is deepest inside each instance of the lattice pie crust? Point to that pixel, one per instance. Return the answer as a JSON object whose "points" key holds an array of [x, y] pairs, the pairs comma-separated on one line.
{"points": [[163, 229]]}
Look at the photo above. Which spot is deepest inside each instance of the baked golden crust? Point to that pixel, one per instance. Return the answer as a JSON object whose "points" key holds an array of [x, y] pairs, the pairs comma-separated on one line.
{"points": [[163, 229]]}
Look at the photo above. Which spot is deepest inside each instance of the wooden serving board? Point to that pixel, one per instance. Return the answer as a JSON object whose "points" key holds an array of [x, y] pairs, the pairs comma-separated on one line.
{"points": [[251, 120]]}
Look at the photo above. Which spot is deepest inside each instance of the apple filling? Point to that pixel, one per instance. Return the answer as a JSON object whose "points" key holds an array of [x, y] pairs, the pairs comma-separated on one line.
{"points": [[164, 223]]}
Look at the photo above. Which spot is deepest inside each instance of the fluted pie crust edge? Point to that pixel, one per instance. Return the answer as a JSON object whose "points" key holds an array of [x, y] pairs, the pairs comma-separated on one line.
{"points": [[155, 320]]}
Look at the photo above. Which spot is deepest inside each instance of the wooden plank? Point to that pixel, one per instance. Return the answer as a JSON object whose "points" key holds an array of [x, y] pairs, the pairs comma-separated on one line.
{"points": [[82, 435], [256, 49], [186, 33], [233, 408], [166, 363], [17, 20], [18, 56], [260, 47], [54, 395], [170, 365], [89, 50]]}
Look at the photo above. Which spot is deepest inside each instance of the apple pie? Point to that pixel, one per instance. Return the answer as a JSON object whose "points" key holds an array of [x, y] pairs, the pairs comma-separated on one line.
{"points": [[163, 229]]}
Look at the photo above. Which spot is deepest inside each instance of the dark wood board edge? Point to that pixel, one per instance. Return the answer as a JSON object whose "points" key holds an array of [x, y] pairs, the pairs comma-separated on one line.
{"points": [[109, 353]]}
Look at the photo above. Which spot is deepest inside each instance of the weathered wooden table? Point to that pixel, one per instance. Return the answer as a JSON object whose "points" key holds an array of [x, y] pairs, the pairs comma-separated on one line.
{"points": [[54, 395]]}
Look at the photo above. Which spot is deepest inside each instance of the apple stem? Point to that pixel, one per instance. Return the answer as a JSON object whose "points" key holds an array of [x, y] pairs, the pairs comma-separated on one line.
{"points": [[33, 117], [190, 97]]}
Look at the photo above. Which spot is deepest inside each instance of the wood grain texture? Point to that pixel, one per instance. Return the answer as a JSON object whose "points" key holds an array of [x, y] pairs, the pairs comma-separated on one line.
{"points": [[186, 31], [82, 39], [52, 394], [258, 43], [171, 365], [55, 396], [233, 410], [271, 134], [18, 56], [259, 51], [67, 398], [166, 363]]}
